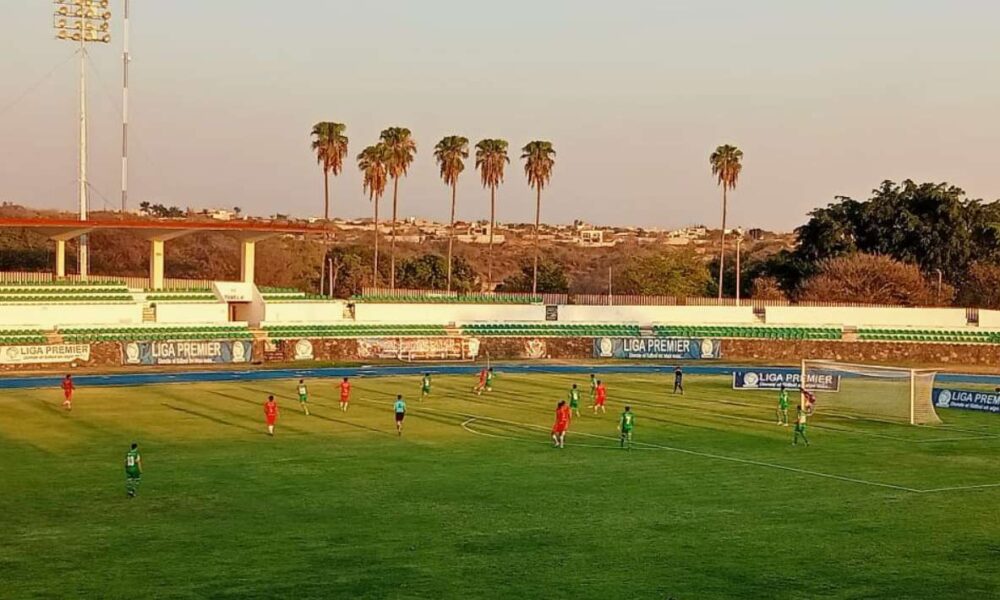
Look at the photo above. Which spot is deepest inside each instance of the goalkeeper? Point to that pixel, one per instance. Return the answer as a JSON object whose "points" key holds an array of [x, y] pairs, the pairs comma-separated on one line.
{"points": [[782, 410], [800, 426]]}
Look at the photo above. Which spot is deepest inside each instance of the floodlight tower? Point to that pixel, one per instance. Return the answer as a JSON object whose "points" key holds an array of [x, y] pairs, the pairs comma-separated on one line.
{"points": [[125, 60], [83, 22]]}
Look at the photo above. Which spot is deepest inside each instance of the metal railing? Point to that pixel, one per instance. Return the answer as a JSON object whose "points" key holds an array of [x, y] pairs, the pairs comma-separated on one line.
{"points": [[15, 277]]}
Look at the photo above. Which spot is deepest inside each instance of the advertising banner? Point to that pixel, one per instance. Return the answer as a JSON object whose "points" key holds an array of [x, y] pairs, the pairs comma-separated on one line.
{"points": [[187, 353], [535, 348], [772, 379], [429, 348], [657, 348], [39, 355], [967, 400]]}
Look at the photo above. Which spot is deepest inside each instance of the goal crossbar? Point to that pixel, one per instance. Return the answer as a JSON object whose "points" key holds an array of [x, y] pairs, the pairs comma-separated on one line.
{"points": [[877, 392]]}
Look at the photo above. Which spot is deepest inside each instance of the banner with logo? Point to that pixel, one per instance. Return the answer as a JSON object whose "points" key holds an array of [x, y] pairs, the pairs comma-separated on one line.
{"points": [[187, 352], [535, 348], [39, 355], [427, 348], [772, 379], [657, 348], [967, 400], [303, 350]]}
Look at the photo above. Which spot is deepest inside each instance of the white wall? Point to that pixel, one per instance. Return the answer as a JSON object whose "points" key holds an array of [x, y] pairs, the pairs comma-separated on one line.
{"points": [[302, 312], [989, 319], [177, 312], [51, 315], [647, 315], [866, 317], [441, 314]]}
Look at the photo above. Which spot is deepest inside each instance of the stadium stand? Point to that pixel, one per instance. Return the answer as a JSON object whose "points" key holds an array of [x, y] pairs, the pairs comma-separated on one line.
{"points": [[21, 336], [751, 331], [929, 335], [215, 331], [448, 299], [550, 330], [64, 293], [288, 295], [352, 331], [204, 294]]}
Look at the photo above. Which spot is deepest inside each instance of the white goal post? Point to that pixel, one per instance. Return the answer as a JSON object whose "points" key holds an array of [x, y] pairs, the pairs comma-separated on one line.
{"points": [[871, 392]]}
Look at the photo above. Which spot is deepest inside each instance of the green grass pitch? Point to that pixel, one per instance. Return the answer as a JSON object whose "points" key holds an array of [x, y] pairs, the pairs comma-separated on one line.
{"points": [[473, 502]]}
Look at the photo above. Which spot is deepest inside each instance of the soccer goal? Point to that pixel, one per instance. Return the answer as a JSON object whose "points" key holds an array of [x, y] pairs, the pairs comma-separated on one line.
{"points": [[871, 392]]}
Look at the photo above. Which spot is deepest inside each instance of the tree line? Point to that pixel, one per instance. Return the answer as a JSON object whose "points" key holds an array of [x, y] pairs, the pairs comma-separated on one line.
{"points": [[390, 159]]}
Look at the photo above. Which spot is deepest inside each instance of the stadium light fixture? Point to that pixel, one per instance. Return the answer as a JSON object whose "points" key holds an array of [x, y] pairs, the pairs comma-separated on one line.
{"points": [[83, 22]]}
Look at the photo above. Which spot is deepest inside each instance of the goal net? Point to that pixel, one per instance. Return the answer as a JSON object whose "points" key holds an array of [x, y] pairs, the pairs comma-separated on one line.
{"points": [[871, 392]]}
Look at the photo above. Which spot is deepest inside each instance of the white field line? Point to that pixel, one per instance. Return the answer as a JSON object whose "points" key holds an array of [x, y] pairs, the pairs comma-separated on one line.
{"points": [[702, 454], [465, 425], [467, 422], [958, 439], [959, 488]]}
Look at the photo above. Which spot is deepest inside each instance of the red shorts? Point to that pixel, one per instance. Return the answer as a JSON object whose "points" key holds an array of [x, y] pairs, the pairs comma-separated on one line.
{"points": [[68, 394], [599, 401], [560, 427], [271, 419], [345, 399]]}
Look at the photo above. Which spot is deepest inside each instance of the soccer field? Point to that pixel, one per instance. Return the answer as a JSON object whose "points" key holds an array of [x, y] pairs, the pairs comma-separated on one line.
{"points": [[473, 502]]}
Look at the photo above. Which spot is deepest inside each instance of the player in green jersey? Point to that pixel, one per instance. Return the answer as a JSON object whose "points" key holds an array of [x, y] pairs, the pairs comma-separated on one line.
{"points": [[574, 401], [489, 379], [399, 408], [593, 387], [625, 426], [782, 410], [800, 426], [303, 396], [133, 470], [425, 386]]}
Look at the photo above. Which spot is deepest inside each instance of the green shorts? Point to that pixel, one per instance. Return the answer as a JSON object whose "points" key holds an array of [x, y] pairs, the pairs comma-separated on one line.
{"points": [[132, 475], [574, 404], [303, 398]]}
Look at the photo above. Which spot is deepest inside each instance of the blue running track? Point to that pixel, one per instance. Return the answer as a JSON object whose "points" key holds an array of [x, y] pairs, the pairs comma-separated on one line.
{"points": [[129, 379]]}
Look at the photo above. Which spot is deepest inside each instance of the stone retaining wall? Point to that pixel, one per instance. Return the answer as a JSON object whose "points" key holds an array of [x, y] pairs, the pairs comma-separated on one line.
{"points": [[109, 354]]}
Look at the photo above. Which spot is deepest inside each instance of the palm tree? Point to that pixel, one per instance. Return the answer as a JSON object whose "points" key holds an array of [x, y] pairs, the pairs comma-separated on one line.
{"points": [[491, 158], [726, 164], [450, 154], [330, 145], [373, 162], [539, 159], [400, 148]]}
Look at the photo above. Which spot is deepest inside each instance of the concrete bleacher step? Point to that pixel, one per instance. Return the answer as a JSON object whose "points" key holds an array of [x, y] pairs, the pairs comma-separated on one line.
{"points": [[148, 314]]}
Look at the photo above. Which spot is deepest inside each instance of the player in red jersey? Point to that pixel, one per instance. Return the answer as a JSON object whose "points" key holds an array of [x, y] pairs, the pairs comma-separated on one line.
{"points": [[561, 425], [270, 414], [600, 397], [483, 376], [345, 394], [67, 388], [808, 401]]}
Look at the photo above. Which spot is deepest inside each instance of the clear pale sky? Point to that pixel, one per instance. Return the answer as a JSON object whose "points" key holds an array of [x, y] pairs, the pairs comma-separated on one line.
{"points": [[824, 98]]}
